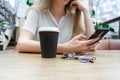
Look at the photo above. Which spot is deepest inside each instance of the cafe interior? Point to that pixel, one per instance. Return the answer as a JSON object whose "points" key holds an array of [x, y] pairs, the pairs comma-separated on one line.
{"points": [[101, 64]]}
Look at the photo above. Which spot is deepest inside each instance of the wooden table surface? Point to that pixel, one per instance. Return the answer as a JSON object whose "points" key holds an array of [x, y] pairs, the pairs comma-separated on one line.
{"points": [[26, 66]]}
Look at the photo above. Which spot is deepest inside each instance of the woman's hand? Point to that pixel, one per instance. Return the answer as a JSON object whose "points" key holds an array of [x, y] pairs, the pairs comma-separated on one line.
{"points": [[78, 5], [79, 44], [92, 47]]}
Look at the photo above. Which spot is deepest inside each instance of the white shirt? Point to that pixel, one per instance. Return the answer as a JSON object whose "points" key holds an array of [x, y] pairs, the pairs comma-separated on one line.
{"points": [[37, 18]]}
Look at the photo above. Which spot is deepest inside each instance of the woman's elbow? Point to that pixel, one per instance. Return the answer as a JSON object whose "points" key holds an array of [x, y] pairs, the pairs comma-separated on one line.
{"points": [[20, 47]]}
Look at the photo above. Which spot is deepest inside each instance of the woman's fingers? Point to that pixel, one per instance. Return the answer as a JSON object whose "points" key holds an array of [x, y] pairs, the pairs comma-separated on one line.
{"points": [[78, 4], [91, 45], [79, 45], [80, 37], [92, 41], [73, 4]]}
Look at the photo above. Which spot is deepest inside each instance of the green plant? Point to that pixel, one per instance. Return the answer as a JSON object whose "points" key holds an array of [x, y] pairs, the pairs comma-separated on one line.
{"points": [[98, 25], [3, 27], [29, 3]]}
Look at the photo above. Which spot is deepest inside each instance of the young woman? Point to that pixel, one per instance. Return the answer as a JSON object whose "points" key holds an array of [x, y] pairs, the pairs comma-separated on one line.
{"points": [[57, 13]]}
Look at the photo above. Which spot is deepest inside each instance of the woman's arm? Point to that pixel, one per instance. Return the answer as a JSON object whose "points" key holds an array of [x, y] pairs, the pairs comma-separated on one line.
{"points": [[87, 19], [26, 43], [88, 23], [77, 44]]}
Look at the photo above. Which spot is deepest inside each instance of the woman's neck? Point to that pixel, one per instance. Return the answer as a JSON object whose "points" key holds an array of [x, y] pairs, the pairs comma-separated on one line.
{"points": [[58, 12]]}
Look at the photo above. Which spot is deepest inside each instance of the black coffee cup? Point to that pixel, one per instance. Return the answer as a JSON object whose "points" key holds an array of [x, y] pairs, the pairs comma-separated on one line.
{"points": [[48, 41]]}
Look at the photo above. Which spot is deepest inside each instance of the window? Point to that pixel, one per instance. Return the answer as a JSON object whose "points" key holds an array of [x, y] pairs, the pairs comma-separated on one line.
{"points": [[106, 9]]}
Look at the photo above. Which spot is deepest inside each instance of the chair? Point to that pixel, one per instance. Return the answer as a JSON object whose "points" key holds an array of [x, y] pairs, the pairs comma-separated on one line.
{"points": [[109, 44]]}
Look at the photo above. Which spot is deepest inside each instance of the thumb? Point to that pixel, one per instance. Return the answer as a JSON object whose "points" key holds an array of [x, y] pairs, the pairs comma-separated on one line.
{"points": [[80, 37], [91, 41]]}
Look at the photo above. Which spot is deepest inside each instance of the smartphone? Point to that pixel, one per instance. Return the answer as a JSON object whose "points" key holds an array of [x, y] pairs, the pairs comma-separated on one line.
{"points": [[99, 33]]}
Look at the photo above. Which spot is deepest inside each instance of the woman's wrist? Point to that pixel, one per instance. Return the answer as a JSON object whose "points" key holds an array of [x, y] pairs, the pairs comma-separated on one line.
{"points": [[63, 48], [85, 10]]}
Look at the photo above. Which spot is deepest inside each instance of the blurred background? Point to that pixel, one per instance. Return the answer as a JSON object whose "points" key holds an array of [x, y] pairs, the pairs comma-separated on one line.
{"points": [[13, 14]]}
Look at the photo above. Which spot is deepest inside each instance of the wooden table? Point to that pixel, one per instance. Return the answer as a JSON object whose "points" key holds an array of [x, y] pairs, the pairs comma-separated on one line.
{"points": [[26, 66]]}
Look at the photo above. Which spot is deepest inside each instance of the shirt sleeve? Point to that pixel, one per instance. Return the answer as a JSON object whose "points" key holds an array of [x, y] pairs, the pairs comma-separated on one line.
{"points": [[32, 21]]}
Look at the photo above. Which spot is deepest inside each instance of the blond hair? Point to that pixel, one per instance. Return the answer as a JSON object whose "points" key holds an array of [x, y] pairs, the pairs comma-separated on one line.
{"points": [[44, 4], [77, 27]]}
